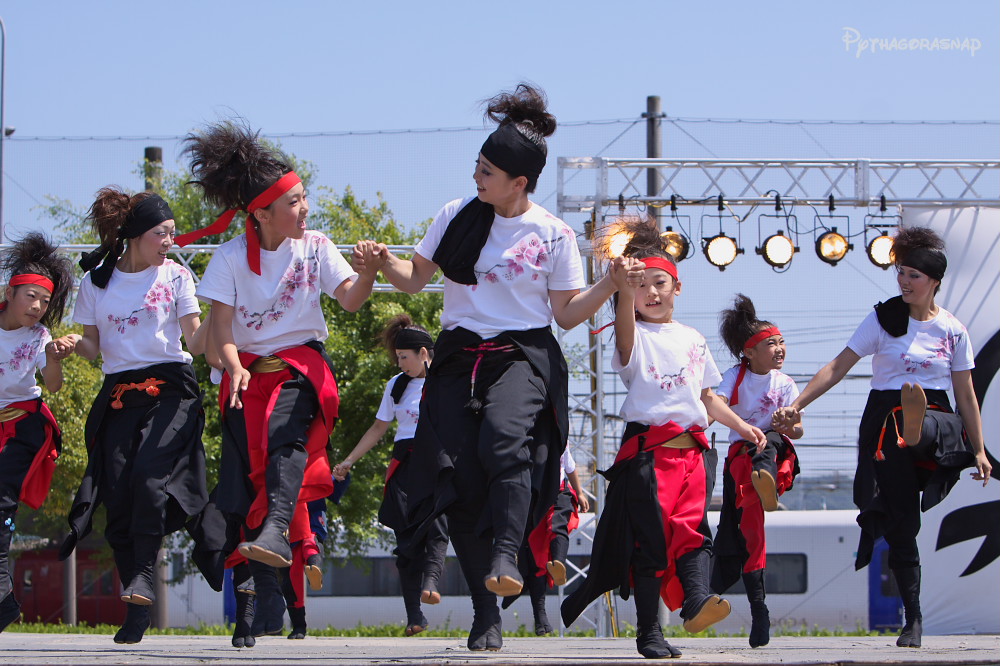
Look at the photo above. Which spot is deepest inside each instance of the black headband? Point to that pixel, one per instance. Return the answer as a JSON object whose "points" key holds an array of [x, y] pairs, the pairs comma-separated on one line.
{"points": [[413, 339], [928, 261], [146, 214], [509, 149]]}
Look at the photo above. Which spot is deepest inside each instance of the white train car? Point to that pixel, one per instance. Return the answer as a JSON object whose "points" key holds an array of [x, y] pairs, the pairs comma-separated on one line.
{"points": [[811, 583]]}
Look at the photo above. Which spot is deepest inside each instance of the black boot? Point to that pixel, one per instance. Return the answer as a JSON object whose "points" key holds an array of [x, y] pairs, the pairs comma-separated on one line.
{"points": [[760, 630], [701, 609], [297, 616], [10, 610], [558, 549], [283, 480], [510, 500], [764, 474], [473, 554], [908, 580], [409, 583], [536, 587], [139, 591], [649, 638], [136, 624], [269, 613], [242, 637], [435, 552]]}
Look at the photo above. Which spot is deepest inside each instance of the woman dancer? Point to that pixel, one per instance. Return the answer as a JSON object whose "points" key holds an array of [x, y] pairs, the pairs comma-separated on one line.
{"points": [[654, 528], [146, 460], [411, 347], [494, 418], [912, 447], [39, 280], [752, 480], [278, 395]]}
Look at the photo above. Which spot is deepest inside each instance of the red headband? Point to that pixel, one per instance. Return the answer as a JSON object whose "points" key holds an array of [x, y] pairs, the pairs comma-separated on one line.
{"points": [[32, 278], [762, 335], [262, 200], [659, 262]]}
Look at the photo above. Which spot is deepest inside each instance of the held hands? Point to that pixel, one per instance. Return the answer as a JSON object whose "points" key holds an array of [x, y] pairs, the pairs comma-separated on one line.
{"points": [[983, 468], [785, 419], [626, 273], [60, 348], [369, 257], [341, 471]]}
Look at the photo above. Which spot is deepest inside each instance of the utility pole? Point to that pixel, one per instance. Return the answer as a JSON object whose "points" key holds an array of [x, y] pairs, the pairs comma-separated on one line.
{"points": [[69, 589], [152, 167], [654, 146]]}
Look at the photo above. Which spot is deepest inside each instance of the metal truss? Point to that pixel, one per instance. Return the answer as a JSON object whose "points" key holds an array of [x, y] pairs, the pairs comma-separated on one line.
{"points": [[859, 182]]}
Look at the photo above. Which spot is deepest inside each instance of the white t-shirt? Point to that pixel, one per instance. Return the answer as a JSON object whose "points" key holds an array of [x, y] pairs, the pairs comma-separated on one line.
{"points": [[566, 465], [138, 315], [669, 367], [22, 352], [278, 309], [927, 355], [524, 257], [406, 411], [759, 396]]}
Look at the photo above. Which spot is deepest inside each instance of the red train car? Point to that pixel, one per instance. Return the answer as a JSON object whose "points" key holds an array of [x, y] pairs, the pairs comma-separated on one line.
{"points": [[38, 585]]}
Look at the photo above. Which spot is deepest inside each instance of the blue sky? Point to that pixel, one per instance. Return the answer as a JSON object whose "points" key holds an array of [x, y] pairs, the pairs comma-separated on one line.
{"points": [[130, 68]]}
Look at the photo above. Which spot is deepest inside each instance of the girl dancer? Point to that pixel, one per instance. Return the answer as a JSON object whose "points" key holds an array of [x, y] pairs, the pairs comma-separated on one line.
{"points": [[146, 461], [653, 530], [38, 284], [752, 479], [278, 396], [411, 347], [920, 351], [495, 416]]}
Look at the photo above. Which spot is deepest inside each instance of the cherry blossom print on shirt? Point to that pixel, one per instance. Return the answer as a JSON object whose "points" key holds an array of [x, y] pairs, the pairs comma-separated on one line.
{"points": [[694, 368], [299, 281], [942, 350], [24, 354], [526, 258], [159, 299]]}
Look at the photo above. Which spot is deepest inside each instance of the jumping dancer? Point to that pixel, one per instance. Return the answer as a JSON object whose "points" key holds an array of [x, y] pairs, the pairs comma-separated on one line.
{"points": [[38, 282], [752, 480], [653, 532], [146, 461], [411, 347], [278, 396], [911, 446], [494, 420]]}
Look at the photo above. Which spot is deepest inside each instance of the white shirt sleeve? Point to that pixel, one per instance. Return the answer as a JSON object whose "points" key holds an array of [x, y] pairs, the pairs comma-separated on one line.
{"points": [[387, 408], [567, 268], [865, 340], [334, 269], [187, 302], [83, 311], [725, 388], [568, 463], [429, 243], [962, 358], [218, 283], [712, 376], [41, 359]]}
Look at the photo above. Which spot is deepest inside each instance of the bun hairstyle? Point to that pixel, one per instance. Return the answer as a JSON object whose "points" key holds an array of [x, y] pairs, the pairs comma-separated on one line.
{"points": [[525, 109], [110, 209], [922, 249], [739, 323], [231, 164], [401, 322], [35, 254]]}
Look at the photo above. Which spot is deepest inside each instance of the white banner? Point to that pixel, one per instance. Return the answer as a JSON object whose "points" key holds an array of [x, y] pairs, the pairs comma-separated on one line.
{"points": [[960, 538]]}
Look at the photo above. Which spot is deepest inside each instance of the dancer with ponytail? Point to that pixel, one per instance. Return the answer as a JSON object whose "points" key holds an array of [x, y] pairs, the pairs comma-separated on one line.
{"points": [[911, 446], [494, 420], [39, 280], [653, 531], [278, 396], [411, 347], [146, 461], [752, 479]]}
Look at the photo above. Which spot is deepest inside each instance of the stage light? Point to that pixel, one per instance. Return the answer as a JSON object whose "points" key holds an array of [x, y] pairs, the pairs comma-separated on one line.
{"points": [[676, 244], [617, 244], [831, 247], [880, 251], [778, 250], [721, 250]]}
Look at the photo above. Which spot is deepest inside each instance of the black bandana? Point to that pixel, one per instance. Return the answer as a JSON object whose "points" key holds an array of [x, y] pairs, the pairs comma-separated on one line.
{"points": [[463, 240], [148, 213], [509, 149], [928, 261], [413, 339], [893, 316]]}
